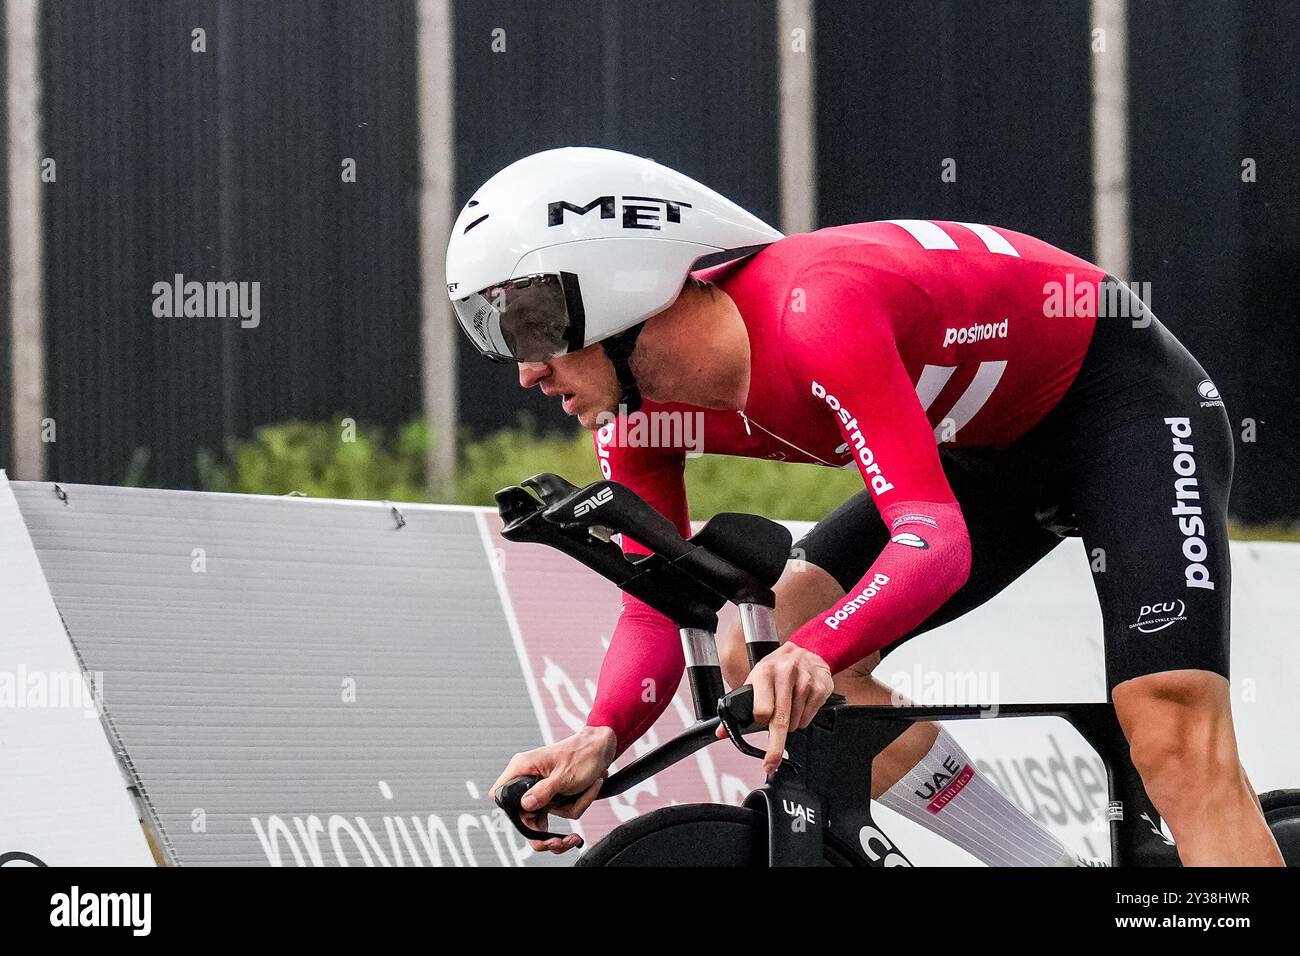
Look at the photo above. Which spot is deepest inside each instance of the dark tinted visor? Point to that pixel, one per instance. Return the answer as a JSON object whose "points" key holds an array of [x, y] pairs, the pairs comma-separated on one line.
{"points": [[529, 319]]}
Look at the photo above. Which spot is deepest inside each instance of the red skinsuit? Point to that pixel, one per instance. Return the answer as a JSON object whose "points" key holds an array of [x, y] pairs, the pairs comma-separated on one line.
{"points": [[870, 344]]}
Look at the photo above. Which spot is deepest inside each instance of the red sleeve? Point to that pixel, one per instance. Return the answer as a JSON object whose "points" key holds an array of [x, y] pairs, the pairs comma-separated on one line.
{"points": [[842, 349], [644, 663]]}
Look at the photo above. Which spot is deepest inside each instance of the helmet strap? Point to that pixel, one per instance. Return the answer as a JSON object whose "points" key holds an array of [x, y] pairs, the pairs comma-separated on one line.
{"points": [[619, 349]]}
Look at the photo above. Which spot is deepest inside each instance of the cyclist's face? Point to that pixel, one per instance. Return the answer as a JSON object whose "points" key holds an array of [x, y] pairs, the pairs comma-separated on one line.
{"points": [[583, 382]]}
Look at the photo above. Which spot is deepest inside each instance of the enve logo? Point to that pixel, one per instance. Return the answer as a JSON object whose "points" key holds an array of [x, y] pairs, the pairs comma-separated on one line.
{"points": [[602, 497]]}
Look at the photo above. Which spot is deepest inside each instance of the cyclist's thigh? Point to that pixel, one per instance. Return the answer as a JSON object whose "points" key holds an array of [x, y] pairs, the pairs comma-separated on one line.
{"points": [[1151, 497], [1006, 540], [1150, 463]]}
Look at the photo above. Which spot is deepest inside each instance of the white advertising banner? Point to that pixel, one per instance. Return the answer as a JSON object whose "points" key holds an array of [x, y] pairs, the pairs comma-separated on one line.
{"points": [[305, 682], [63, 799]]}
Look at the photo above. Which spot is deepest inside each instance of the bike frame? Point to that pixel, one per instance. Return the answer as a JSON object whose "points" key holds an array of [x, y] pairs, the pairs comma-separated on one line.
{"points": [[824, 785]]}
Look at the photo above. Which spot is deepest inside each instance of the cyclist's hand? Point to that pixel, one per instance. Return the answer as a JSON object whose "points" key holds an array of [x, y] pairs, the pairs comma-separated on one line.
{"points": [[790, 686], [576, 764]]}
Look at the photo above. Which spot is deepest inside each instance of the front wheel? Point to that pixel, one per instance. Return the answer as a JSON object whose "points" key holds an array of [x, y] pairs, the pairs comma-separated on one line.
{"points": [[696, 834]]}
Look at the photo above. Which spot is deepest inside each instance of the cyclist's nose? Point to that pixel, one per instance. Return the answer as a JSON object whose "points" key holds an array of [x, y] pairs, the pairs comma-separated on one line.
{"points": [[530, 373]]}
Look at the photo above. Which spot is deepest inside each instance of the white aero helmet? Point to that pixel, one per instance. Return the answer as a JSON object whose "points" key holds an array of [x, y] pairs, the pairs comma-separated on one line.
{"points": [[573, 246]]}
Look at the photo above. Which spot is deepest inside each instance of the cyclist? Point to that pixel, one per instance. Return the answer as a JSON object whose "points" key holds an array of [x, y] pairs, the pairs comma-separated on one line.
{"points": [[995, 394]]}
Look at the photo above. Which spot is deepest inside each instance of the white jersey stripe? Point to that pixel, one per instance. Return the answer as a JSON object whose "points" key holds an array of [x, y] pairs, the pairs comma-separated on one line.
{"points": [[972, 400], [933, 379], [994, 240], [928, 234]]}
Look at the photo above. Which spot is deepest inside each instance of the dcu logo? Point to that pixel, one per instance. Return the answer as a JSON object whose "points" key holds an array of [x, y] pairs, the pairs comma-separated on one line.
{"points": [[1157, 617]]}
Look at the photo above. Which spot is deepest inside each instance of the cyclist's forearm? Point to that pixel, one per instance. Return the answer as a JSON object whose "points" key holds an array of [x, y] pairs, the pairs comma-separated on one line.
{"points": [[640, 674], [926, 561]]}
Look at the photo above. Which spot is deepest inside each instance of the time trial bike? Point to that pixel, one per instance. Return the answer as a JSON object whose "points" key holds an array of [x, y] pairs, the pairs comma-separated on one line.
{"points": [[815, 809]]}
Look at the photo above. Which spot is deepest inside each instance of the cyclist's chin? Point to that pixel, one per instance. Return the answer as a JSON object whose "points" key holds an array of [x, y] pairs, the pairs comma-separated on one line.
{"points": [[591, 419], [595, 414]]}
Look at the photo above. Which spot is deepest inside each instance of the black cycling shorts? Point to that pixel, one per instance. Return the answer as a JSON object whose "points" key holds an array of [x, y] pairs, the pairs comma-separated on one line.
{"points": [[1137, 459]]}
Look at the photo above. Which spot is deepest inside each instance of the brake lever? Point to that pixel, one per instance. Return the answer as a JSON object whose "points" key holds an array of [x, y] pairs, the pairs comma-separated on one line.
{"points": [[510, 799], [736, 714]]}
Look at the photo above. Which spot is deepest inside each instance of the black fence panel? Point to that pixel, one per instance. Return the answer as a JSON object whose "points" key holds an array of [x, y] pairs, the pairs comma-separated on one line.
{"points": [[224, 164], [996, 94], [1213, 85]]}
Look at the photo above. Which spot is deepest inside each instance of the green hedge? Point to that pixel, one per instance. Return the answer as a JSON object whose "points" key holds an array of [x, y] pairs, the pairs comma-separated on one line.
{"points": [[332, 461], [322, 461]]}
